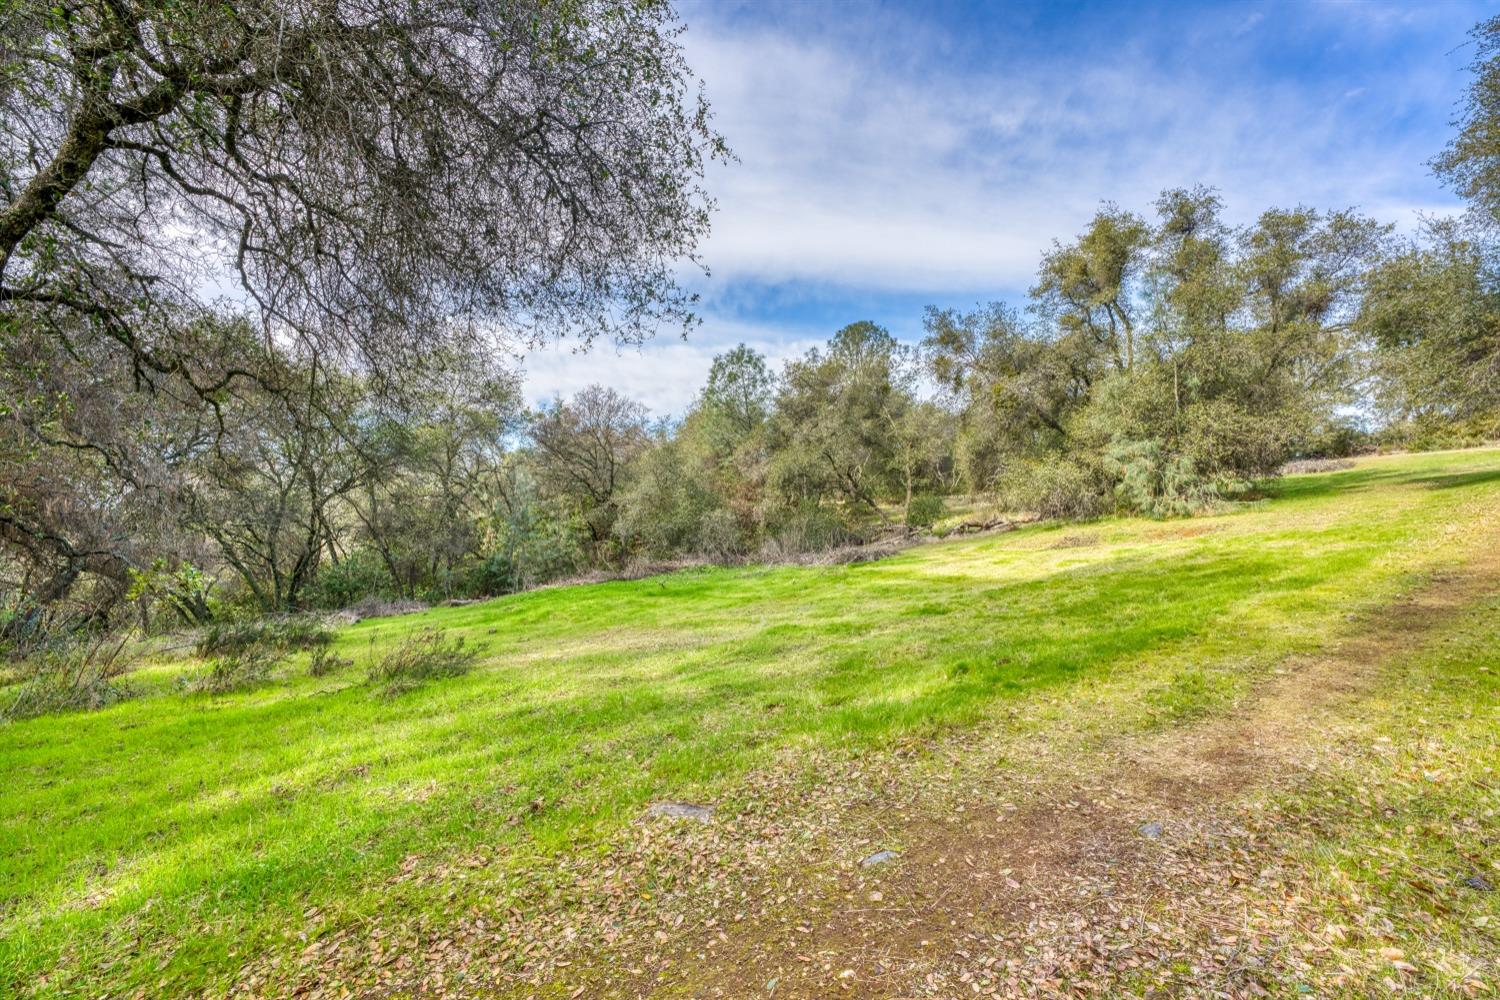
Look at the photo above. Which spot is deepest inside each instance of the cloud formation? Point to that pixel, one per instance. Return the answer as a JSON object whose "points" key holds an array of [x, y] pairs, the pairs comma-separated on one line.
{"points": [[886, 154]]}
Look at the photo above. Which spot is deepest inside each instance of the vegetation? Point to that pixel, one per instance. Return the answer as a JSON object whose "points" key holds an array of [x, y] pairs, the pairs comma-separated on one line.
{"points": [[205, 840], [1166, 367], [268, 722], [76, 676], [420, 657], [344, 434], [373, 191], [233, 671]]}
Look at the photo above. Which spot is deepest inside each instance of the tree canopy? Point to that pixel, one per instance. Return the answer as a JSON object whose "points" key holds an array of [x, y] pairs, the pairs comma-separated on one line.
{"points": [[372, 178]]}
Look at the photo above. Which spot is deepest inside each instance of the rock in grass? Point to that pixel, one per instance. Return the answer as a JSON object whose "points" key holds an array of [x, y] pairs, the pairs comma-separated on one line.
{"points": [[879, 858], [682, 810], [1151, 831], [1480, 883]]}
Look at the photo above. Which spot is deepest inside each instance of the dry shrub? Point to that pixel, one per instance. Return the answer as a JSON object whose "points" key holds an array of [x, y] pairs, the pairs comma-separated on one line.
{"points": [[234, 671], [422, 656], [76, 677], [286, 634], [381, 607], [324, 662]]}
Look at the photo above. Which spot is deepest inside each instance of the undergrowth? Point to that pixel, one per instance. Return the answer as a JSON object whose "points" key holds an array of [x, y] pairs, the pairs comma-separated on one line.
{"points": [[76, 677], [422, 656]]}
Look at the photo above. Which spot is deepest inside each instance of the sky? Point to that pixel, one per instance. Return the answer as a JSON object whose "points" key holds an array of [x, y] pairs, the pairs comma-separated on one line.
{"points": [[895, 156]]}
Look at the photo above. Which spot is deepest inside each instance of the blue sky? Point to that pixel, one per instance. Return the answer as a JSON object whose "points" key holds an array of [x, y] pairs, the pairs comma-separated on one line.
{"points": [[892, 156]]}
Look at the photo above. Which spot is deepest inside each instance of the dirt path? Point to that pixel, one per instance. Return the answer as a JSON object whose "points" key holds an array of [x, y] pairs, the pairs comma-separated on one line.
{"points": [[1127, 866]]}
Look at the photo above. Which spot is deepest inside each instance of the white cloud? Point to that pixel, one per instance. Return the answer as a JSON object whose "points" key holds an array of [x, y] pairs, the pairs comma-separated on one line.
{"points": [[879, 168], [664, 374], [878, 153]]}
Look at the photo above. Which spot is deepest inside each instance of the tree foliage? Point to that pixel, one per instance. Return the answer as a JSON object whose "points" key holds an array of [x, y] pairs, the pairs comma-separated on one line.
{"points": [[376, 178]]}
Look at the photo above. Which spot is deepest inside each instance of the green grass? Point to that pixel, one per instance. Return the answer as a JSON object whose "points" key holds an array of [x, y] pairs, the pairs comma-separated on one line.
{"points": [[160, 842], [1408, 816]]}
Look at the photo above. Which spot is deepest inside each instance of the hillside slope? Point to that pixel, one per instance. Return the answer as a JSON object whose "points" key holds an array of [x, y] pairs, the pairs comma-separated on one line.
{"points": [[1093, 752]]}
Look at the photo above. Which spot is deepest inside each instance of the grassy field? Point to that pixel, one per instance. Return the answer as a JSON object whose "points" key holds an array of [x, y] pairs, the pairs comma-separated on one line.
{"points": [[158, 844]]}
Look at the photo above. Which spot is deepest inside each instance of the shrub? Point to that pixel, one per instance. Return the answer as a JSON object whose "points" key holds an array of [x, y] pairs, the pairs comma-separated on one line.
{"points": [[362, 574], [661, 512], [324, 661], [286, 634], [1436, 433], [79, 677], [807, 528], [1153, 481], [422, 656], [719, 535], [496, 573], [379, 607], [1339, 439], [925, 510], [1055, 490], [233, 671]]}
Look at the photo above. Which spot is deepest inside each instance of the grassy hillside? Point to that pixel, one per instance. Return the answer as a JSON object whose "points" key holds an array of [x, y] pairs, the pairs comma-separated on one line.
{"points": [[162, 842]]}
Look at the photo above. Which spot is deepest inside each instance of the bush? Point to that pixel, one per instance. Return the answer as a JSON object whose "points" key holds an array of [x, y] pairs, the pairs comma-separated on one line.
{"points": [[1437, 433], [1339, 439], [233, 672], [420, 657], [1158, 483], [1056, 490], [361, 575], [287, 634], [719, 535], [661, 512], [925, 510], [324, 662], [807, 528], [80, 677], [496, 573], [378, 607]]}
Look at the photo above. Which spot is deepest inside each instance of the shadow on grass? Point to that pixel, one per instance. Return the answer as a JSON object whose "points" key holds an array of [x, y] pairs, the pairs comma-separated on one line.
{"points": [[1458, 479], [1317, 485]]}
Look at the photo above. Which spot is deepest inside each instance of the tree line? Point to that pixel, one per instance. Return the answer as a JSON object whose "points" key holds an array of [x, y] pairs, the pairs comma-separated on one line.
{"points": [[383, 189], [1161, 364]]}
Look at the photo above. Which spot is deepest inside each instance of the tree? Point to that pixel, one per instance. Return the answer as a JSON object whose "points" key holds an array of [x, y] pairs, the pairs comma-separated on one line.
{"points": [[1016, 387], [583, 447], [923, 437], [268, 491], [373, 178], [671, 500], [1471, 161], [93, 475], [836, 414], [1432, 312], [738, 396], [1169, 362], [1090, 286], [370, 185], [434, 472]]}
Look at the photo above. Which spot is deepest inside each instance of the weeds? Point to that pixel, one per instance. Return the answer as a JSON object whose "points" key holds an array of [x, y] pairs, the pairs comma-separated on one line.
{"points": [[324, 661], [421, 657], [1303, 465], [233, 671], [79, 677], [281, 634]]}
